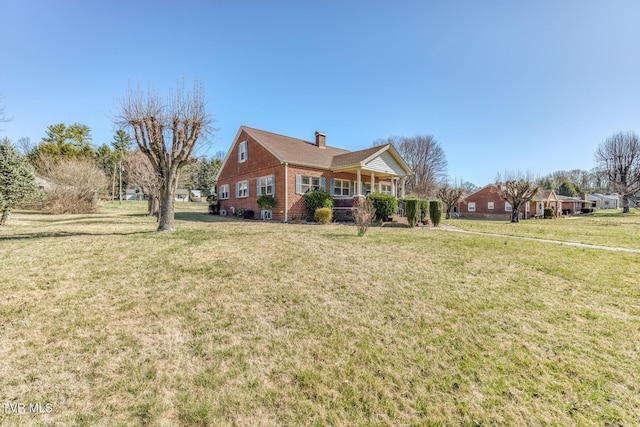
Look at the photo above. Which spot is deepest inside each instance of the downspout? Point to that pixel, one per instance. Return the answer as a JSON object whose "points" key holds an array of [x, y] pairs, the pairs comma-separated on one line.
{"points": [[286, 192]]}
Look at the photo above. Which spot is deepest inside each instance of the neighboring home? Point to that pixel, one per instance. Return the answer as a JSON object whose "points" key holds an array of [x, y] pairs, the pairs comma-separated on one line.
{"points": [[182, 195], [132, 194], [601, 201], [574, 205], [485, 203], [264, 163], [196, 196]]}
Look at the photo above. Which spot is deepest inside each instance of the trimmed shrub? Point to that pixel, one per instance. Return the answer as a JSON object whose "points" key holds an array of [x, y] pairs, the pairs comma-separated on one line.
{"points": [[548, 213], [363, 215], [323, 215], [435, 212], [266, 202], [317, 199], [424, 211], [413, 211], [384, 204], [248, 214]]}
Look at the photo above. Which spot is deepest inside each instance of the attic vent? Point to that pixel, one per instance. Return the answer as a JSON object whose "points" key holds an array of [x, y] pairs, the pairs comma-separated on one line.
{"points": [[321, 140]]}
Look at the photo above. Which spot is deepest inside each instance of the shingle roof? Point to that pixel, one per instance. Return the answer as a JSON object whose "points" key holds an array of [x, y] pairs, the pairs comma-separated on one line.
{"points": [[355, 157], [296, 151]]}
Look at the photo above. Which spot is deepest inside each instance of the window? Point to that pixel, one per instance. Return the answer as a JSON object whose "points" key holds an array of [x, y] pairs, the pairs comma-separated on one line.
{"points": [[242, 189], [304, 184], [224, 191], [242, 152], [265, 185], [367, 188], [490, 205], [471, 207], [266, 214], [385, 188], [507, 207], [341, 187]]}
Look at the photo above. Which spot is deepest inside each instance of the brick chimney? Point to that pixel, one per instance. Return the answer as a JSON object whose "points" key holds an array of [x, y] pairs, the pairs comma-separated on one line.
{"points": [[321, 140]]}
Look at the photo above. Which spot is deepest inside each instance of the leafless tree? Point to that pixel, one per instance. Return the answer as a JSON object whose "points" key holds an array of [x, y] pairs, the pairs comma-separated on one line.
{"points": [[619, 157], [449, 197], [427, 161], [167, 134], [517, 189], [142, 174]]}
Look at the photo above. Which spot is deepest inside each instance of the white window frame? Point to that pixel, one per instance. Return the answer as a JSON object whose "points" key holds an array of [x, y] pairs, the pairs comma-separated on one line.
{"points": [[225, 190], [266, 214], [471, 206], [508, 207], [385, 188], [266, 185], [242, 152], [310, 185], [366, 188], [242, 189], [490, 205], [344, 187]]}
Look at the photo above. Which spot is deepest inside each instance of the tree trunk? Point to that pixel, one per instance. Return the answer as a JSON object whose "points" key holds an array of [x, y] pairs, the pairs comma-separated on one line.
{"points": [[113, 185], [153, 205], [515, 214], [167, 201], [5, 216], [625, 203]]}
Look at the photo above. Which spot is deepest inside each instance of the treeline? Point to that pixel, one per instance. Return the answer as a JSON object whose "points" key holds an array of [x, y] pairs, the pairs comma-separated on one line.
{"points": [[73, 174]]}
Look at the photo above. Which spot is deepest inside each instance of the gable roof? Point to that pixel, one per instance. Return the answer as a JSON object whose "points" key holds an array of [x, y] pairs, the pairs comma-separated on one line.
{"points": [[295, 151], [299, 152]]}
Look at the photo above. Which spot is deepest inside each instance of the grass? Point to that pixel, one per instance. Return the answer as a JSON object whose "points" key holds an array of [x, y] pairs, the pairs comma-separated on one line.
{"points": [[248, 323], [605, 228]]}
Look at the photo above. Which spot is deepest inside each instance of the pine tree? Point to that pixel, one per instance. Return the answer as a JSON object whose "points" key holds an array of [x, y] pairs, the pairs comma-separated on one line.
{"points": [[17, 180]]}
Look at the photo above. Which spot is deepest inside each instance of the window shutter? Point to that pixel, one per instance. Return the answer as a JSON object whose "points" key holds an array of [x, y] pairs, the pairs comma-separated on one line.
{"points": [[298, 184], [323, 183], [237, 189], [331, 185], [248, 185], [351, 185], [273, 185], [258, 190]]}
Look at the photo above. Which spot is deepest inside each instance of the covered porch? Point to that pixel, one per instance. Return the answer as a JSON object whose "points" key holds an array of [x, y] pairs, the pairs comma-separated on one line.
{"points": [[358, 174]]}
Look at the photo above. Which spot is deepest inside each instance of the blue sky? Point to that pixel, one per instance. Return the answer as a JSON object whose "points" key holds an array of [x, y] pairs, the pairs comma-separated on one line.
{"points": [[502, 85]]}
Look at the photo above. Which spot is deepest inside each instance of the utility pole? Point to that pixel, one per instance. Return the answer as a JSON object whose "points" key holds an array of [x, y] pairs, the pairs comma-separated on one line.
{"points": [[120, 173]]}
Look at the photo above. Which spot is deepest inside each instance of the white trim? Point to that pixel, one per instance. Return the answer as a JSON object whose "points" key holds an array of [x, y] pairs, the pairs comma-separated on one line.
{"points": [[221, 192], [238, 190], [243, 154], [471, 207]]}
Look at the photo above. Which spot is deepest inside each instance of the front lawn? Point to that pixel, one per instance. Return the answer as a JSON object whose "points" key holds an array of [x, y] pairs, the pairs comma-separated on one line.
{"points": [[249, 323]]}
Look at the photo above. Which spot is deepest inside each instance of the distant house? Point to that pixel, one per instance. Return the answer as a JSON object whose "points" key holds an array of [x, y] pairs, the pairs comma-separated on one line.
{"points": [[602, 201], [182, 195], [264, 163], [485, 203]]}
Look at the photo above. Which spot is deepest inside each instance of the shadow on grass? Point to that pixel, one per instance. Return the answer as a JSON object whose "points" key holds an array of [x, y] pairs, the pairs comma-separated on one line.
{"points": [[201, 217], [45, 235]]}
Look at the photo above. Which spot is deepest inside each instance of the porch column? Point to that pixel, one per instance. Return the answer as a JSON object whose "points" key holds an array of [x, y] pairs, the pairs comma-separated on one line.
{"points": [[373, 182], [359, 190], [394, 193], [402, 191]]}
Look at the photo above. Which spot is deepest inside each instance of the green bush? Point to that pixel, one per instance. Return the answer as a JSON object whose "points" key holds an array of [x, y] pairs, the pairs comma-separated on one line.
{"points": [[317, 199], [266, 202], [424, 211], [435, 212], [384, 204], [413, 211], [323, 215], [548, 213]]}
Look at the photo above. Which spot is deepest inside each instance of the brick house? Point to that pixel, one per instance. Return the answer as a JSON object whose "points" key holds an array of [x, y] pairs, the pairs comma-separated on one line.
{"points": [[261, 162], [486, 204]]}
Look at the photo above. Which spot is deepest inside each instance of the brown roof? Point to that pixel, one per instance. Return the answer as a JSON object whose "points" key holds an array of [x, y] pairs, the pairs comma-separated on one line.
{"points": [[543, 195], [296, 151], [355, 157]]}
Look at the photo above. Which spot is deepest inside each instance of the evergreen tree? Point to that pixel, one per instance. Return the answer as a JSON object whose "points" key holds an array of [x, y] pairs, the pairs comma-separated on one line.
{"points": [[17, 180]]}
